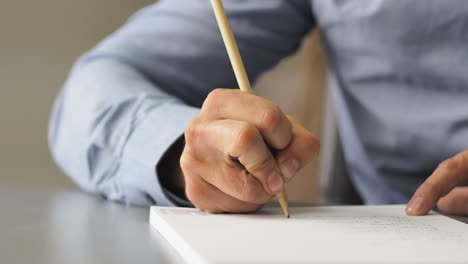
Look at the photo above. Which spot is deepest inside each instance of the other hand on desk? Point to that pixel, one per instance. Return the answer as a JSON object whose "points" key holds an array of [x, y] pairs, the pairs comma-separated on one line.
{"points": [[441, 189]]}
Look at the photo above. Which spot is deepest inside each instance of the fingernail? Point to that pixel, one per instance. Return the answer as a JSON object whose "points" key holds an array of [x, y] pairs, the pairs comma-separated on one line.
{"points": [[415, 206], [290, 168], [275, 183]]}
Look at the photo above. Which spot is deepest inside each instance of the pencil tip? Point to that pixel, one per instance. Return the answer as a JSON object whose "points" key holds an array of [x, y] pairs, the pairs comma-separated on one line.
{"points": [[283, 201], [286, 212]]}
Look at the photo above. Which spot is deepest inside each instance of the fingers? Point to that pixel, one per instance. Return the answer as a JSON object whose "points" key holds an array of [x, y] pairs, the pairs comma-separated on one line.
{"points": [[228, 161], [303, 148], [262, 113], [205, 156], [456, 202], [448, 174], [242, 141], [208, 198]]}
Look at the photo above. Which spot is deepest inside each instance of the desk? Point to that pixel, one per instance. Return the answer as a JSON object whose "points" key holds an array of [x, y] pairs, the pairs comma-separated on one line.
{"points": [[40, 225], [50, 225]]}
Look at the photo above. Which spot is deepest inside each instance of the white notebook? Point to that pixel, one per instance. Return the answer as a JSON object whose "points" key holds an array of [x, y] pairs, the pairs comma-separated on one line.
{"points": [[340, 234]]}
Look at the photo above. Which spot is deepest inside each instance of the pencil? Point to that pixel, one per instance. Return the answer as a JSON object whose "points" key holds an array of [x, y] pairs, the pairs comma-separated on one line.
{"points": [[239, 70]]}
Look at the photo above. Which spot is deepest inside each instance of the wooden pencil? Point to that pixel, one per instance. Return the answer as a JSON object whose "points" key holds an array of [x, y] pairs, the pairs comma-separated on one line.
{"points": [[239, 70]]}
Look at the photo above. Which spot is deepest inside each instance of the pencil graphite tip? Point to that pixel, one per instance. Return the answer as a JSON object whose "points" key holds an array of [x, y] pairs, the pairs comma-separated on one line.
{"points": [[283, 201], [286, 212]]}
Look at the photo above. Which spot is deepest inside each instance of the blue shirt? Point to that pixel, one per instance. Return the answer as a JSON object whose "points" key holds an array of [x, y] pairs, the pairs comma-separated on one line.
{"points": [[401, 69]]}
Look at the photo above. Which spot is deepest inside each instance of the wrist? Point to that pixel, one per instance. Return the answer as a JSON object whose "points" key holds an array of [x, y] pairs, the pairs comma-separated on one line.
{"points": [[169, 170]]}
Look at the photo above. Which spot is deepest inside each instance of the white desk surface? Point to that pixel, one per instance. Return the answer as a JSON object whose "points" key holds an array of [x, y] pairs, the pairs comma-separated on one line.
{"points": [[43, 225], [52, 225]]}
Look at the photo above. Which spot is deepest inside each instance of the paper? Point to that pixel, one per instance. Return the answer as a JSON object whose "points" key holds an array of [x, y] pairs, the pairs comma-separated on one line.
{"points": [[340, 234]]}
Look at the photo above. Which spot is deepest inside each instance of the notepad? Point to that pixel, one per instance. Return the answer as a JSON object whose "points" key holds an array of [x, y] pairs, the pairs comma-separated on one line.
{"points": [[338, 234]]}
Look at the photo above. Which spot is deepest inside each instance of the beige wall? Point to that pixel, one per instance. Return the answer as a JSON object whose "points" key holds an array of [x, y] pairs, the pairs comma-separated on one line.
{"points": [[39, 40]]}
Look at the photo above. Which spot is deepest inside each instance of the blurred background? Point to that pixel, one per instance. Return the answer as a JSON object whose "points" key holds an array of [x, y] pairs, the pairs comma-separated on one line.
{"points": [[40, 40]]}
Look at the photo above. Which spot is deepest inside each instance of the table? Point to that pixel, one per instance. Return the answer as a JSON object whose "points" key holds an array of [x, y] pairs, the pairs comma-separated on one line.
{"points": [[43, 225], [52, 225]]}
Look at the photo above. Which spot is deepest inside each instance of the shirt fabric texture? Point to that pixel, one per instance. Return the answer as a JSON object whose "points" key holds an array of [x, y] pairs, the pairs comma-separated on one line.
{"points": [[401, 99]]}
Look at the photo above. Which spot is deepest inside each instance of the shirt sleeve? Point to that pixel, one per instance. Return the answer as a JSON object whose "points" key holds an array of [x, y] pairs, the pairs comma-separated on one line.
{"points": [[129, 99]]}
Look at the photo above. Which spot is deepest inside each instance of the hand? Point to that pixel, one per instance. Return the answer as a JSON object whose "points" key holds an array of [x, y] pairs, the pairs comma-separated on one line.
{"points": [[240, 150], [440, 188]]}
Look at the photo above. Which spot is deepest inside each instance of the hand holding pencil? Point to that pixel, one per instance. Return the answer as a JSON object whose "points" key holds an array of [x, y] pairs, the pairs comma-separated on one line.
{"points": [[239, 70], [241, 149]]}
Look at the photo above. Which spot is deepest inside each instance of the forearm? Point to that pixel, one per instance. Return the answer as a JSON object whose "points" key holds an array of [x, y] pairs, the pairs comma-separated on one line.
{"points": [[129, 99], [109, 129]]}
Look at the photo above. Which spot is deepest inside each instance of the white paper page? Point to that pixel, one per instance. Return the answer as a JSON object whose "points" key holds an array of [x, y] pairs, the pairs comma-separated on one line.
{"points": [[340, 234]]}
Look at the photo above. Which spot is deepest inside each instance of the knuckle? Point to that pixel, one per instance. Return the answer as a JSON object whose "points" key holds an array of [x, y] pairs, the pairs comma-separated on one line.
{"points": [[186, 163], [192, 131], [247, 135], [214, 98], [311, 145], [456, 162], [271, 118], [461, 159], [194, 193]]}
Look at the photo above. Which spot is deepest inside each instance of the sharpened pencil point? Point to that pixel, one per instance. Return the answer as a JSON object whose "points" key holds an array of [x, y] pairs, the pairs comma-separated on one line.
{"points": [[283, 201]]}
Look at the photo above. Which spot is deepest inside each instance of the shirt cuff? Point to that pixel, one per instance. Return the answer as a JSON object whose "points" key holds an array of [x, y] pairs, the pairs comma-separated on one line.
{"points": [[147, 144]]}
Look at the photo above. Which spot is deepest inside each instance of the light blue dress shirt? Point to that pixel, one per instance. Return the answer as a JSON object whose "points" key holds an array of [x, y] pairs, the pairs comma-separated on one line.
{"points": [[401, 99]]}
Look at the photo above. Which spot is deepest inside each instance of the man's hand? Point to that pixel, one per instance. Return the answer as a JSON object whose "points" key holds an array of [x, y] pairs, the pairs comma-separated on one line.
{"points": [[240, 150], [440, 188]]}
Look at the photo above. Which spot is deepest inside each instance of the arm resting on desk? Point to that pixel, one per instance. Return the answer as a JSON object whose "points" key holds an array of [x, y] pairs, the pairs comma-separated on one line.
{"points": [[129, 99]]}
